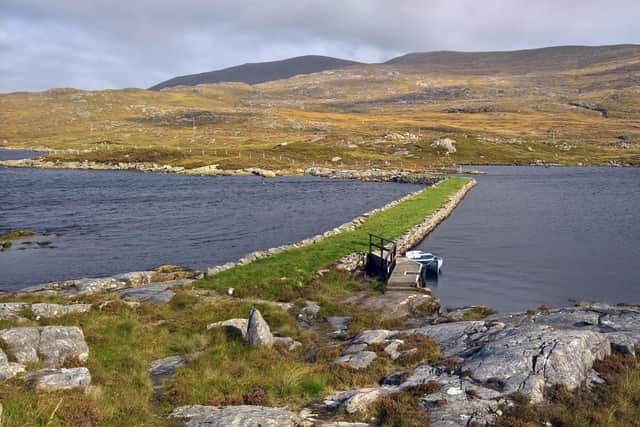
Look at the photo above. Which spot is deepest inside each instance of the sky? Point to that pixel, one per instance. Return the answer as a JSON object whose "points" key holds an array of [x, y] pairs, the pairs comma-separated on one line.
{"points": [[99, 44]]}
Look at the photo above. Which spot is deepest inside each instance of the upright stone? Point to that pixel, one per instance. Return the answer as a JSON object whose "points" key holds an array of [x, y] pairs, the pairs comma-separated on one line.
{"points": [[258, 332]]}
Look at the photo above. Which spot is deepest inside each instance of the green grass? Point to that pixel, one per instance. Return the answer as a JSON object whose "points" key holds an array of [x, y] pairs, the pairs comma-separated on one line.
{"points": [[284, 276]]}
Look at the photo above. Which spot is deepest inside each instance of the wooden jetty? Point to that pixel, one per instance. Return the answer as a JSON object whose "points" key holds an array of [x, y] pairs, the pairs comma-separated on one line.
{"points": [[400, 273], [406, 276]]}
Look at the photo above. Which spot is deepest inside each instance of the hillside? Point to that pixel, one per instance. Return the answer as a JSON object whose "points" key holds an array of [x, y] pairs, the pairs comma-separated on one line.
{"points": [[260, 72], [583, 108], [559, 58]]}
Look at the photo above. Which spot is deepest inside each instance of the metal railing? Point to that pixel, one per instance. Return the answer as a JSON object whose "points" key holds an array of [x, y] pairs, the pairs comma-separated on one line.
{"points": [[381, 258]]}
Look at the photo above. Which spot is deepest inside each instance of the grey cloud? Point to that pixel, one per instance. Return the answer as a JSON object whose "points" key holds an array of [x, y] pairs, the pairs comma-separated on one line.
{"points": [[108, 43]]}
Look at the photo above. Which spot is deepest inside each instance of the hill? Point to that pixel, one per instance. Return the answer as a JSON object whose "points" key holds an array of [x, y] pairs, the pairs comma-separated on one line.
{"points": [[557, 58], [260, 72]]}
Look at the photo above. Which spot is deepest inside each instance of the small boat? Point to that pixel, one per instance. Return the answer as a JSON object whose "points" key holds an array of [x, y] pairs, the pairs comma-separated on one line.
{"points": [[431, 263]]}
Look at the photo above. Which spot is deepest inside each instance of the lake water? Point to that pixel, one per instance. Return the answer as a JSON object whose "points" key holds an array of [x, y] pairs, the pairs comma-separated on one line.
{"points": [[527, 236], [108, 222]]}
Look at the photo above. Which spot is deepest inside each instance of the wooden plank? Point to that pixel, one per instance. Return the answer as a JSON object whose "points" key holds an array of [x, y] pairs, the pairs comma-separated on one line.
{"points": [[405, 275]]}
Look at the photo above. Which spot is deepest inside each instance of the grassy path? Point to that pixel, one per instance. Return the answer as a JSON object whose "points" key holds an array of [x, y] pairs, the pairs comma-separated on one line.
{"points": [[279, 276]]}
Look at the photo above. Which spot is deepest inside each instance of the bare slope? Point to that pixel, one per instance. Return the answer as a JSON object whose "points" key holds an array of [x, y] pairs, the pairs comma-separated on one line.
{"points": [[260, 72]]}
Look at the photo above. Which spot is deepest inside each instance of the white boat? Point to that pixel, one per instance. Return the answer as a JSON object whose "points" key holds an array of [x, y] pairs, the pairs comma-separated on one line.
{"points": [[432, 263]]}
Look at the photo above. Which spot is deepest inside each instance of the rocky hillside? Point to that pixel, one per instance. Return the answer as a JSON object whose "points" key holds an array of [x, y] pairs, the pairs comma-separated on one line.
{"points": [[260, 72]]}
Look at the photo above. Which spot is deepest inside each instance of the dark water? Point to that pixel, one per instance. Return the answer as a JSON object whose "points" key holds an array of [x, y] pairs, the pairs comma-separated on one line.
{"points": [[526, 236], [18, 154], [114, 222]]}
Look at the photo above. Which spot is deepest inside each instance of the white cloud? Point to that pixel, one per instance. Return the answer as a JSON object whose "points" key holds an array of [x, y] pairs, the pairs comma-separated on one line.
{"points": [[111, 43]]}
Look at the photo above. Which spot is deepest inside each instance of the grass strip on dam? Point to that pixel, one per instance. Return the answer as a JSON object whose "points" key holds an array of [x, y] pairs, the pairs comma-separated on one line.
{"points": [[281, 276]]}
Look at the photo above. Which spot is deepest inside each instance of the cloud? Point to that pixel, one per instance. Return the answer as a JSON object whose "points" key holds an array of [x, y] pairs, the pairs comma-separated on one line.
{"points": [[112, 43]]}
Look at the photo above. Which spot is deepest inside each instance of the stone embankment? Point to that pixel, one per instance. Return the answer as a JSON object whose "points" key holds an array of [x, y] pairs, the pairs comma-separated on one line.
{"points": [[415, 234], [348, 226]]}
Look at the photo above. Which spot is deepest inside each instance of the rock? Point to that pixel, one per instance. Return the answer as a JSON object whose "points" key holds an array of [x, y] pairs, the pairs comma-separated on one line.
{"points": [[336, 159], [393, 349], [372, 337], [359, 360], [355, 348], [58, 310], [258, 332], [156, 293], [9, 369], [47, 380], [162, 369], [289, 343], [447, 144], [344, 424], [454, 338], [234, 416], [58, 343], [22, 343], [240, 325], [9, 310], [530, 357], [52, 344], [459, 410], [310, 311], [356, 401]]}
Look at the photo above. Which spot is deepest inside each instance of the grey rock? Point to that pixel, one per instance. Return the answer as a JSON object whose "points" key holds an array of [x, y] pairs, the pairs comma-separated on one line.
{"points": [[377, 336], [240, 325], [359, 360], [156, 293], [47, 380], [355, 348], [258, 332], [310, 311], [454, 338], [9, 369], [393, 349], [162, 369], [356, 401], [529, 357], [344, 424], [22, 343], [57, 310], [58, 343], [53, 344], [9, 310], [234, 416]]}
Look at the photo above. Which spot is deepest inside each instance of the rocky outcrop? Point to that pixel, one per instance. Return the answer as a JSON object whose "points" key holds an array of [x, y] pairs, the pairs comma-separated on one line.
{"points": [[497, 356], [48, 380], [12, 310], [234, 416], [52, 345], [258, 332]]}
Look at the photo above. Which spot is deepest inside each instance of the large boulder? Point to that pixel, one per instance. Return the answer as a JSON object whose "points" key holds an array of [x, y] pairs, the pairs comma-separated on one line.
{"points": [[234, 416], [258, 332], [51, 379], [50, 344]]}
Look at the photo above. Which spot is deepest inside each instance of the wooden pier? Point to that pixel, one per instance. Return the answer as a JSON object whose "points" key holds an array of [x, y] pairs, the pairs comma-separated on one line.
{"points": [[406, 275]]}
